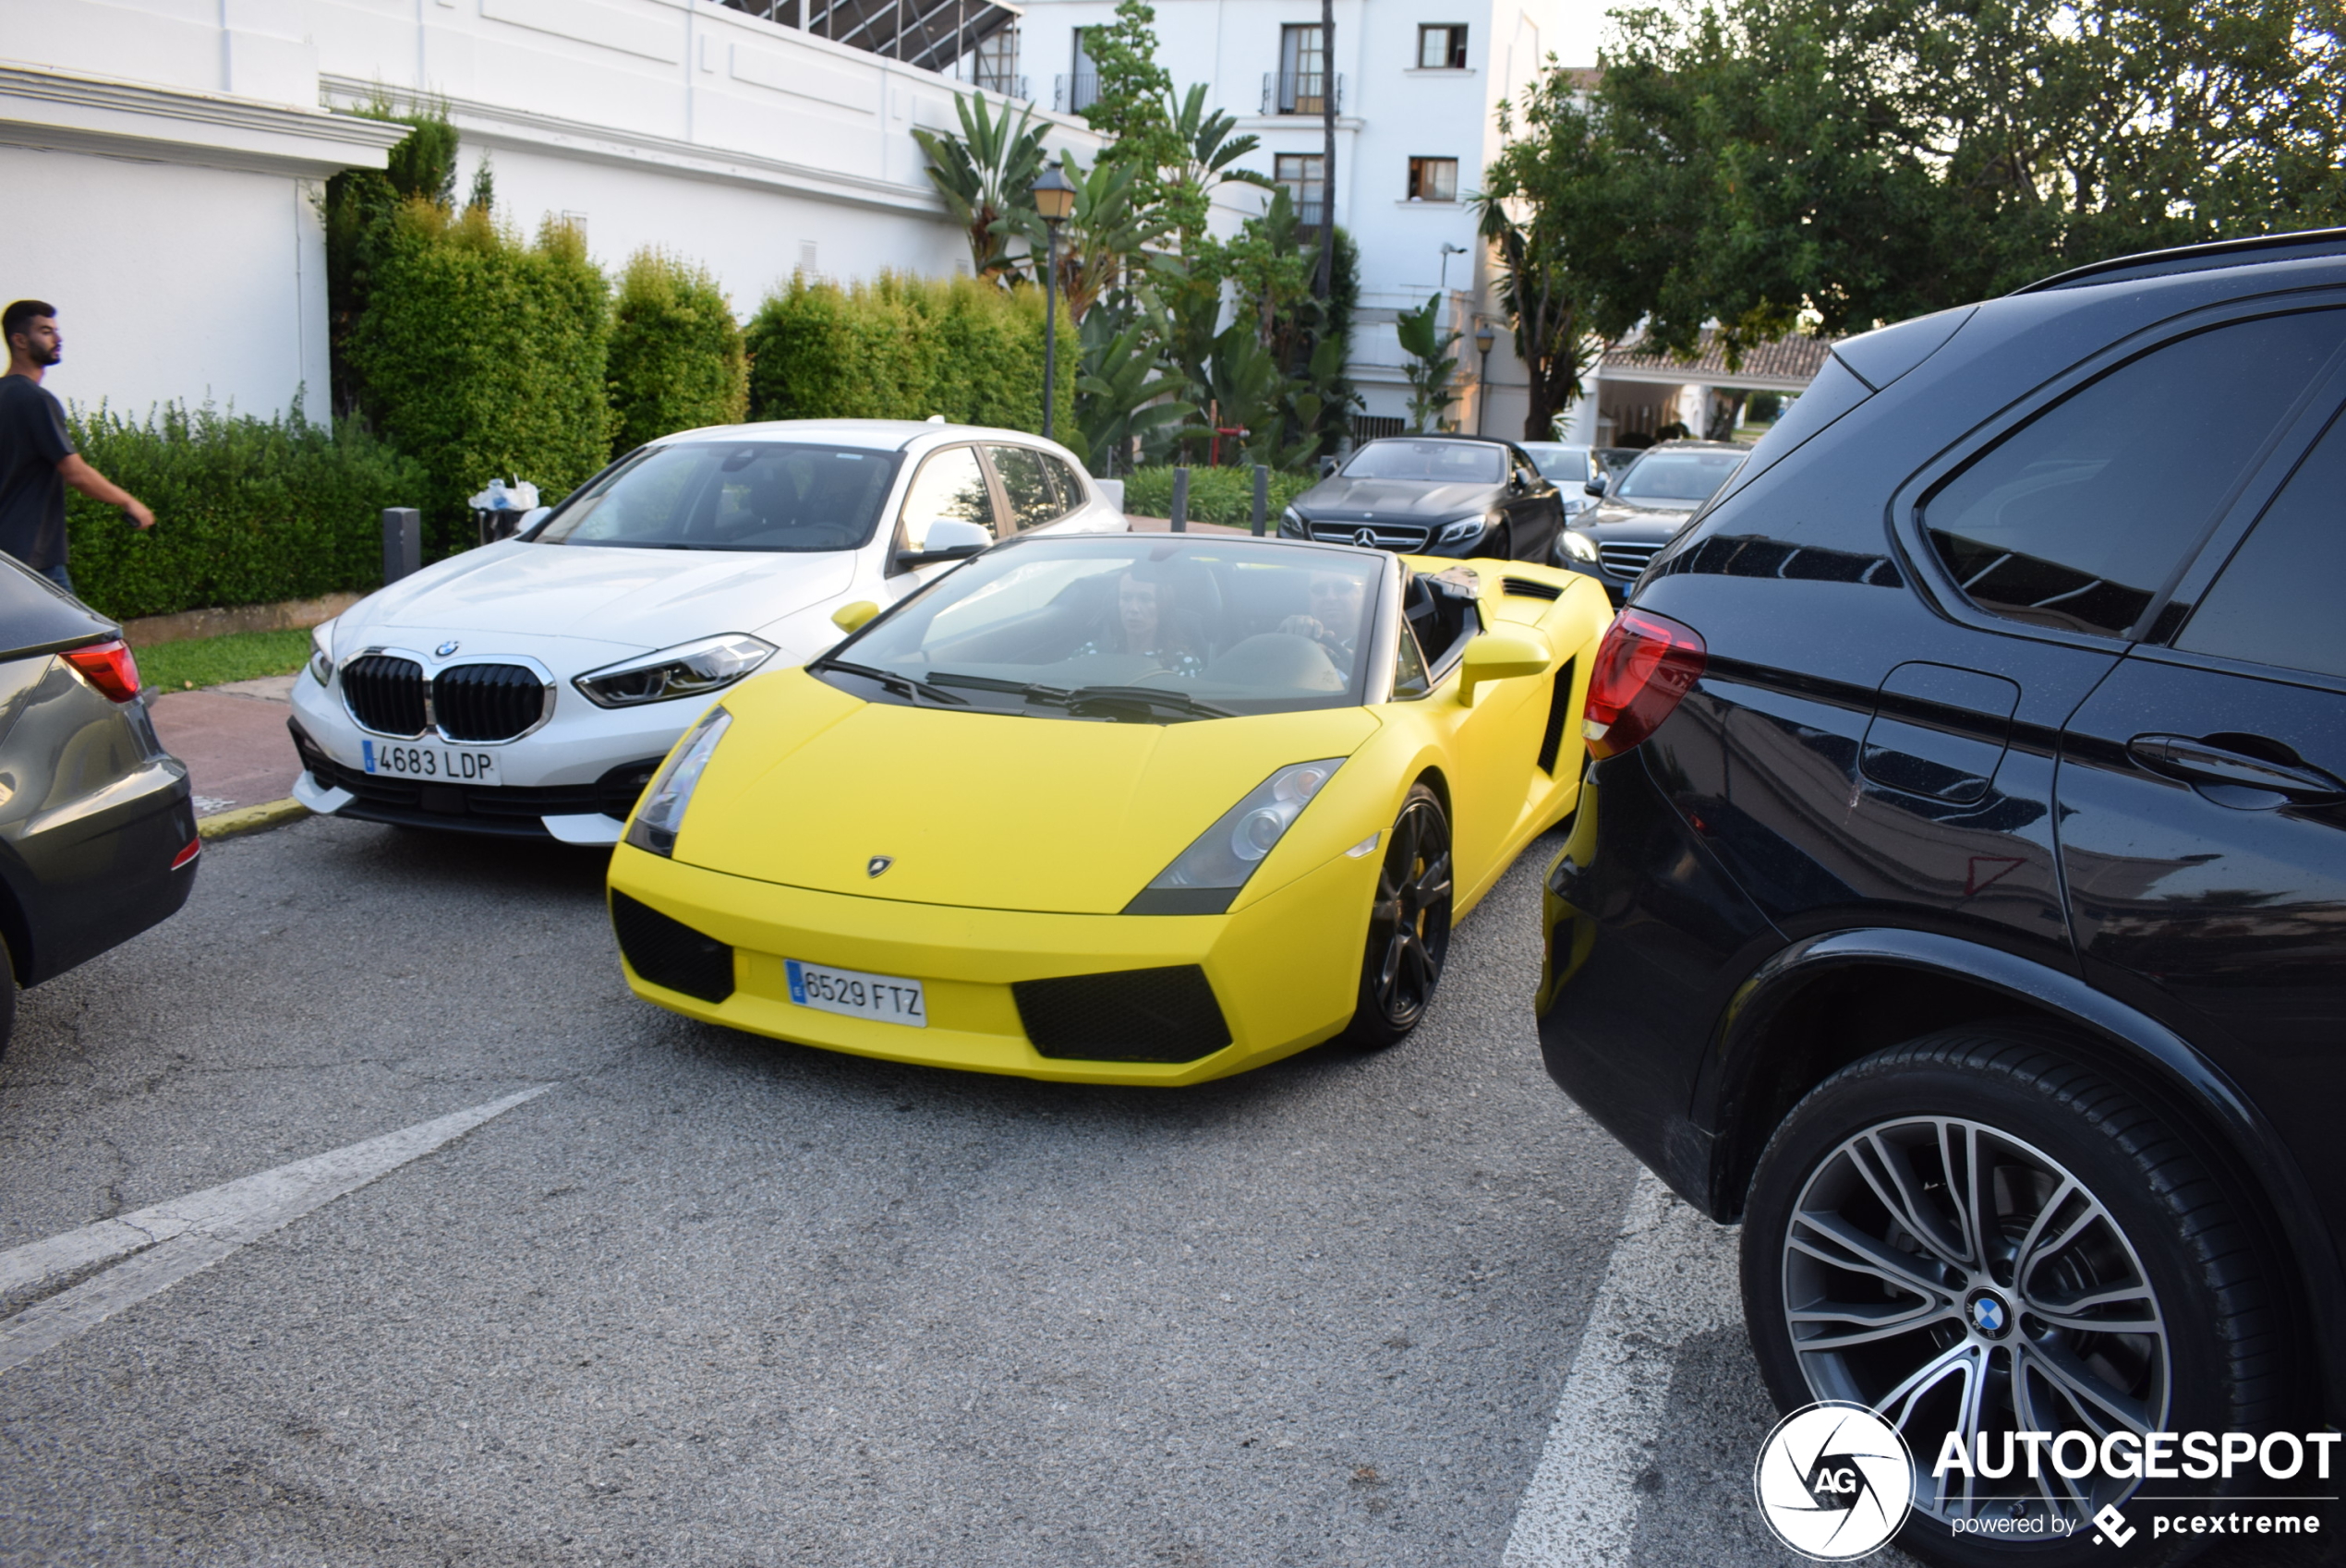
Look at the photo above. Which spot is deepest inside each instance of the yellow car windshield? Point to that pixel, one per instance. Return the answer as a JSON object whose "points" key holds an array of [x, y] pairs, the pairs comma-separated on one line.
{"points": [[1137, 628]]}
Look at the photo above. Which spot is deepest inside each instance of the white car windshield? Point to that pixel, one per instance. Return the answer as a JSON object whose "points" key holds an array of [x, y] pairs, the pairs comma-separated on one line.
{"points": [[1137, 629], [1562, 463], [731, 496], [1440, 463], [1678, 475]]}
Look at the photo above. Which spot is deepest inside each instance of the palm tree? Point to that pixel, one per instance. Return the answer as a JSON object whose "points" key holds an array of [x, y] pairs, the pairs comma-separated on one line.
{"points": [[1207, 151], [984, 174]]}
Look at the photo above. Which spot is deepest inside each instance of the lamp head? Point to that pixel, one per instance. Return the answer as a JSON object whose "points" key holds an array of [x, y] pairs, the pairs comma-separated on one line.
{"points": [[1054, 198], [1484, 337]]}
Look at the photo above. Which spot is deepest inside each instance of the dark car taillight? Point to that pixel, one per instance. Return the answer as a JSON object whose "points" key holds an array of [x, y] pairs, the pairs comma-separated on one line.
{"points": [[1645, 665], [108, 667]]}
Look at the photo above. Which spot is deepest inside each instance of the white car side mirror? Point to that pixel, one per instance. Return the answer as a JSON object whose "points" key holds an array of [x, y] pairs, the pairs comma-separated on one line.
{"points": [[946, 538]]}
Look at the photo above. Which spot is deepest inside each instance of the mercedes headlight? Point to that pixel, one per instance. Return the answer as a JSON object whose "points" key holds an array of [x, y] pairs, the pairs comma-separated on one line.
{"points": [[1207, 875], [661, 814], [689, 669], [1291, 524], [321, 653], [1579, 546], [1463, 529]]}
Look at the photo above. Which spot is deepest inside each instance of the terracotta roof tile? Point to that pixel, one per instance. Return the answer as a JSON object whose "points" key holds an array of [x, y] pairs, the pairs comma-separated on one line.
{"points": [[1796, 356]]}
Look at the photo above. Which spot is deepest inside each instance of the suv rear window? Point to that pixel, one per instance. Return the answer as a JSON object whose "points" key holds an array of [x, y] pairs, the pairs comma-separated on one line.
{"points": [[2079, 518]]}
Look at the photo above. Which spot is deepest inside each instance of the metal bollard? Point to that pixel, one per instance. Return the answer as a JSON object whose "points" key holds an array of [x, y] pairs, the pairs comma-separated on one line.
{"points": [[1181, 500], [1262, 496], [402, 542]]}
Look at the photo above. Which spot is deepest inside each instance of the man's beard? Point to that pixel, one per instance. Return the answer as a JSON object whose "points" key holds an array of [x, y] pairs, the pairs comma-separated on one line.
{"points": [[44, 357]]}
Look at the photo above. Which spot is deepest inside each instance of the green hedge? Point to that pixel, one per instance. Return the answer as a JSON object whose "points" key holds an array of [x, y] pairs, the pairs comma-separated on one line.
{"points": [[1216, 495], [486, 356], [906, 348], [676, 355], [247, 510]]}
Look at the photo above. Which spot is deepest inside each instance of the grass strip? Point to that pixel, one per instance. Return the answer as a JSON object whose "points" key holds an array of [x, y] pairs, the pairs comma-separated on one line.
{"points": [[208, 661]]}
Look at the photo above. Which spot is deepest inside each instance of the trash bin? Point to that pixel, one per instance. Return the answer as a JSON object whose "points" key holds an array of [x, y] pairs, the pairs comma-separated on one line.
{"points": [[500, 511]]}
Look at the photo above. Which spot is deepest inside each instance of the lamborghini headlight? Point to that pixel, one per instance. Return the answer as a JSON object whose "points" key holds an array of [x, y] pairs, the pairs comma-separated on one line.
{"points": [[1462, 528], [661, 814], [321, 654], [1577, 545], [689, 669], [1207, 875]]}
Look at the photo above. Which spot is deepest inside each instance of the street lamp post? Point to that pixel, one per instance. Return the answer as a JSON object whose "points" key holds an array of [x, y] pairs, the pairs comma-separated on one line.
{"points": [[1053, 199], [1483, 338]]}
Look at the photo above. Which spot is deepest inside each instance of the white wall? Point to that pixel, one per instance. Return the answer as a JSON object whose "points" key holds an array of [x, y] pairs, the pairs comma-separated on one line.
{"points": [[170, 283]]}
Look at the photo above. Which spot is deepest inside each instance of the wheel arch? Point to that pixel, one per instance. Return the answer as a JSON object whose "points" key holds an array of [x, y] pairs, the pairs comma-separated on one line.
{"points": [[1830, 999]]}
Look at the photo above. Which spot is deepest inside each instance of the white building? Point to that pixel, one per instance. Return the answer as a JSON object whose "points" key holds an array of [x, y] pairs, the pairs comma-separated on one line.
{"points": [[1416, 89], [161, 160]]}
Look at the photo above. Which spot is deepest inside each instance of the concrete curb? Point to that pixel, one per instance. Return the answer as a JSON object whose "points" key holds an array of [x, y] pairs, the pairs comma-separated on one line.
{"points": [[249, 819]]}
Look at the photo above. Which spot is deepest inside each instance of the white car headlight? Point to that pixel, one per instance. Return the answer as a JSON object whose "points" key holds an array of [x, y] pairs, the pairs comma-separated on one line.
{"points": [[1577, 545], [661, 813], [321, 653], [1207, 875], [689, 669], [1463, 529]]}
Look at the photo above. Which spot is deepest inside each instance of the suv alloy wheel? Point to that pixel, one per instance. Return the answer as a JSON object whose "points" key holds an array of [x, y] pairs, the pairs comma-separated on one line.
{"points": [[1971, 1234]]}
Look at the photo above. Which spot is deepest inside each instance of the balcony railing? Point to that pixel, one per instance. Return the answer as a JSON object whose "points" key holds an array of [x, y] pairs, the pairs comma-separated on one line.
{"points": [[1073, 94], [1003, 84], [1298, 92]]}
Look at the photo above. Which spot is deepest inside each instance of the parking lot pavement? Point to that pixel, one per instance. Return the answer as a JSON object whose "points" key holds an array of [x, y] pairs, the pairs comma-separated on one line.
{"points": [[713, 1300], [233, 739]]}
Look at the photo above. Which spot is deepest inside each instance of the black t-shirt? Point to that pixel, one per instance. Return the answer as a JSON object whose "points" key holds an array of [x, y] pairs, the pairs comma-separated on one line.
{"points": [[32, 494]]}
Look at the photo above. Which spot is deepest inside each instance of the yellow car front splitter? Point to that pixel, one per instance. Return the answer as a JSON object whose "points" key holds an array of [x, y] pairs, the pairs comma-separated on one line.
{"points": [[1285, 969]]}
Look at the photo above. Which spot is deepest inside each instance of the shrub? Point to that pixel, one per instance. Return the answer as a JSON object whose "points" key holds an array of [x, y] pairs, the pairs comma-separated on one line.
{"points": [[676, 356], [482, 355], [1763, 408], [1216, 495], [248, 510], [904, 348]]}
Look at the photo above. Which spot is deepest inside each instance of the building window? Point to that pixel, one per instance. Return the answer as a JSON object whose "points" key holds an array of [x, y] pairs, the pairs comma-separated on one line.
{"points": [[1080, 89], [1303, 70], [1303, 175], [1433, 179], [1442, 47], [994, 64]]}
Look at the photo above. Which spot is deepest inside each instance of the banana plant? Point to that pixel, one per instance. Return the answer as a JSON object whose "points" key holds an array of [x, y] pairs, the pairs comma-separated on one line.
{"points": [[1121, 391], [1205, 163], [984, 175], [1106, 234], [1431, 365]]}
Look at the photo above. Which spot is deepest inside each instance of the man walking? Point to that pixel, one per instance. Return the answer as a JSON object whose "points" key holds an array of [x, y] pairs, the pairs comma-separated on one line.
{"points": [[37, 457]]}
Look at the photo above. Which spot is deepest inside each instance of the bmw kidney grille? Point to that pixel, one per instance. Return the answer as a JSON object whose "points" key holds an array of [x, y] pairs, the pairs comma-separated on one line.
{"points": [[469, 702]]}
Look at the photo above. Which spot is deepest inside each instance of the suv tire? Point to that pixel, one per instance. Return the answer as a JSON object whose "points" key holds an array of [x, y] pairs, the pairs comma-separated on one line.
{"points": [[2103, 1197]]}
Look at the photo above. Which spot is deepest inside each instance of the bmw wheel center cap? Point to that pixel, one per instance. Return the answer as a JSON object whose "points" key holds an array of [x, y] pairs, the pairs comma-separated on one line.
{"points": [[1988, 1314]]}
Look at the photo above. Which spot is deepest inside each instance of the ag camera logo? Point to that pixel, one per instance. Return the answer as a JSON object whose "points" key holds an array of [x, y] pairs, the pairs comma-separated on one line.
{"points": [[1834, 1481]]}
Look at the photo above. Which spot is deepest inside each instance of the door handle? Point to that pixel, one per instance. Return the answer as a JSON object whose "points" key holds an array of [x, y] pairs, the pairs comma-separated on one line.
{"points": [[2200, 762]]}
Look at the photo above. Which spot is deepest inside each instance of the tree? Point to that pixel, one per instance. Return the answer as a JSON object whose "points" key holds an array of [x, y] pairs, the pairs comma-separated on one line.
{"points": [[1761, 164], [358, 212], [1528, 190], [1431, 367], [1133, 89], [984, 176], [1106, 234], [1122, 390], [1206, 155]]}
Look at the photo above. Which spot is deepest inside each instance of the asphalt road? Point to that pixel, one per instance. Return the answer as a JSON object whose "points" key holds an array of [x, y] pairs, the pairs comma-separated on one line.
{"points": [[710, 1299]]}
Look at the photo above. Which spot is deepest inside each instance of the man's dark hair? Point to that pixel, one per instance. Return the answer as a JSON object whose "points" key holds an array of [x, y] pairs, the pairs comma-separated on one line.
{"points": [[19, 317]]}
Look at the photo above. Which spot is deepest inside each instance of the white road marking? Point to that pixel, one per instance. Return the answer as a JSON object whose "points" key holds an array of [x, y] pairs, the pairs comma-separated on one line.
{"points": [[186, 1235], [1671, 1276]]}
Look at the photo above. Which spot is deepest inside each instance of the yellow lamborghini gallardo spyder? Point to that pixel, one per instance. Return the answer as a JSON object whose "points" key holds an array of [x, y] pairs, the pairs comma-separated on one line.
{"points": [[1115, 808]]}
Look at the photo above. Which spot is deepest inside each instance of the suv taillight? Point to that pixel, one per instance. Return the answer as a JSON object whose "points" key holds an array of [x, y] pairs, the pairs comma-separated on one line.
{"points": [[1645, 664], [108, 667]]}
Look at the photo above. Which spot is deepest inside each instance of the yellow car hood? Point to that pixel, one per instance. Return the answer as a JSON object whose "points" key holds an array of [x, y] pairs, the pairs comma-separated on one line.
{"points": [[980, 810]]}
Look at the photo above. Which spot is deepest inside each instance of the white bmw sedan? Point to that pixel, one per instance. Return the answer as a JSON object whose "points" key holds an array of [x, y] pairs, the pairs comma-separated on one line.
{"points": [[530, 687]]}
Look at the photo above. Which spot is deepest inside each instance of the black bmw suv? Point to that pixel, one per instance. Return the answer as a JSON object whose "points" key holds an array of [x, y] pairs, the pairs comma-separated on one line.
{"points": [[1959, 894]]}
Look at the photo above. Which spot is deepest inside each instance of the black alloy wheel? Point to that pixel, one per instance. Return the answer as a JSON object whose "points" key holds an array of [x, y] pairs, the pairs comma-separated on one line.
{"points": [[1971, 1234], [1501, 546], [1408, 925]]}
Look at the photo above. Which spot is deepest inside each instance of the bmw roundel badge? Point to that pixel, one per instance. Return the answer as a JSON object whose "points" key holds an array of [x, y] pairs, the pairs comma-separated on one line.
{"points": [[444, 649]]}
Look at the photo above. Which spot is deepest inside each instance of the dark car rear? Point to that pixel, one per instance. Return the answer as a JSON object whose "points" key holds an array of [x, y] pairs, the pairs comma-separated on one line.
{"points": [[97, 828], [1960, 897]]}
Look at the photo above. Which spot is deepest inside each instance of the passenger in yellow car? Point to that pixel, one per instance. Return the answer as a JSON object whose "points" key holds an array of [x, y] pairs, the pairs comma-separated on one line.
{"points": [[1335, 620], [1147, 625]]}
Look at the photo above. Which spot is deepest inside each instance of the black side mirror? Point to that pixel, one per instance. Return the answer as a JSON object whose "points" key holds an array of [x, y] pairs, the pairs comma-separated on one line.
{"points": [[1327, 467], [1594, 486]]}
